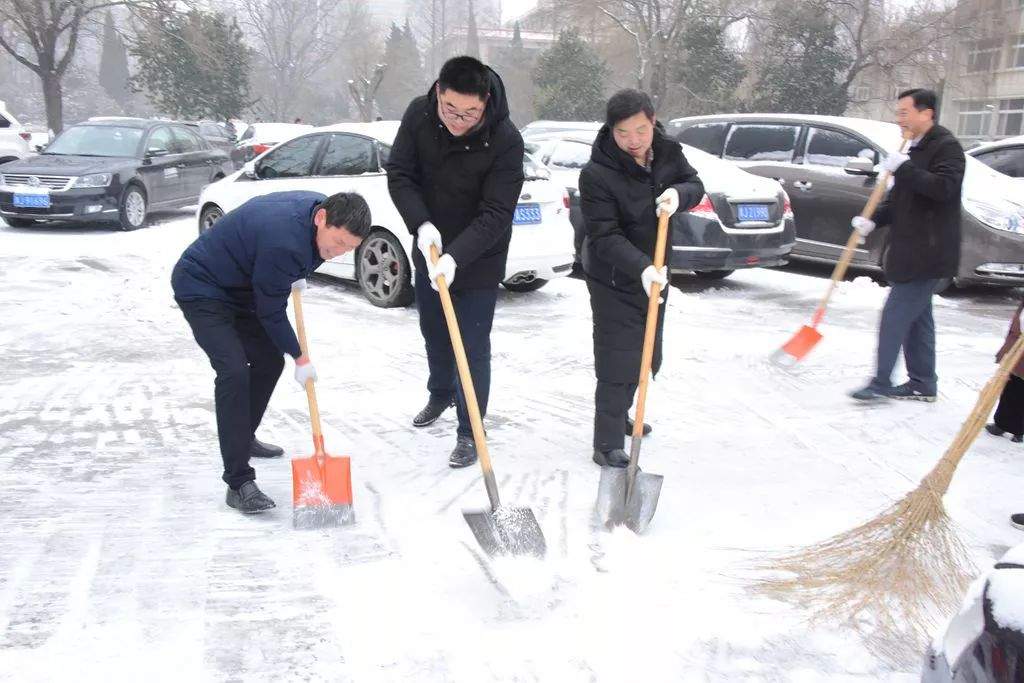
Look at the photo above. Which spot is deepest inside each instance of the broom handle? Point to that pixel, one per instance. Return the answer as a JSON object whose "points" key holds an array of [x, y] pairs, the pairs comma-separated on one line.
{"points": [[467, 385], [839, 272], [314, 410], [942, 474]]}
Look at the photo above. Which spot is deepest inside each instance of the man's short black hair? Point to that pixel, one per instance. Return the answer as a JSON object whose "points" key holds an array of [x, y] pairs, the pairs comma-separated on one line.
{"points": [[348, 210], [626, 103], [923, 99], [466, 76]]}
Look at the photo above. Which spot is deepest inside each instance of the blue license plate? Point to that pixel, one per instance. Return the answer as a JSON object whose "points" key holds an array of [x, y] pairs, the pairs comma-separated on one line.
{"points": [[526, 214], [753, 212], [31, 201]]}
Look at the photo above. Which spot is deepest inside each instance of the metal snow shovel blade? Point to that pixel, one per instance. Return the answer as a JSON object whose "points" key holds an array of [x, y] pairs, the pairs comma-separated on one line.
{"points": [[801, 343], [500, 530], [321, 483], [627, 495]]}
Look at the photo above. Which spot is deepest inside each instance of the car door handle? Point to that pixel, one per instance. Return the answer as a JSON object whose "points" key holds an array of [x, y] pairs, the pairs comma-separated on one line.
{"points": [[180, 166], [803, 184], [780, 181]]}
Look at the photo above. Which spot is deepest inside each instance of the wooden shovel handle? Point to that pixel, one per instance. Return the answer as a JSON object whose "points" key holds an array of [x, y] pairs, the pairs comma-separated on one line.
{"points": [[839, 272], [651, 327], [314, 409], [467, 384]]}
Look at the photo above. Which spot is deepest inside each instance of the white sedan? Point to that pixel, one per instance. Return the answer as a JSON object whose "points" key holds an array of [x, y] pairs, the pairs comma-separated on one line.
{"points": [[350, 158]]}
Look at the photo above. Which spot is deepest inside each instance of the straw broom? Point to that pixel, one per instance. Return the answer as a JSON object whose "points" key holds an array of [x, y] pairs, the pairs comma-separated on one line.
{"points": [[894, 576]]}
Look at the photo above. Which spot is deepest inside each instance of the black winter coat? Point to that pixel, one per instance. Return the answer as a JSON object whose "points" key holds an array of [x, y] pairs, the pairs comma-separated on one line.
{"points": [[467, 186], [621, 227], [923, 211]]}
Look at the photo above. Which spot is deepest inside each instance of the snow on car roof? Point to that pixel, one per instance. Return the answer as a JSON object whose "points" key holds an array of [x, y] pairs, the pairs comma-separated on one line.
{"points": [[384, 131], [277, 132], [883, 133], [996, 144]]}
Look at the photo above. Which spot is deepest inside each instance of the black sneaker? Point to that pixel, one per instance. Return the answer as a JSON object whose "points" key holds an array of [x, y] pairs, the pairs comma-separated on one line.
{"points": [[258, 449], [435, 406], [464, 454], [1017, 520], [870, 394], [630, 424], [613, 458], [249, 499], [994, 430], [905, 392]]}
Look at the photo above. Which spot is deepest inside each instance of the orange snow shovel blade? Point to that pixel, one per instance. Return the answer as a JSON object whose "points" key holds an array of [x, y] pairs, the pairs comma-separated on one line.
{"points": [[322, 491], [798, 346]]}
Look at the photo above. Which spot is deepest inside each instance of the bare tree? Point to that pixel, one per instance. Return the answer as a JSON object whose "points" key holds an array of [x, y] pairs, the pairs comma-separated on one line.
{"points": [[42, 35]]}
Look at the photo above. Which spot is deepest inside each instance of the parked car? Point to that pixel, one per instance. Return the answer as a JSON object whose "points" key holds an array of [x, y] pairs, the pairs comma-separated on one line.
{"points": [[350, 158], [742, 222], [259, 137], [829, 165], [110, 170], [217, 134], [984, 641], [15, 141], [536, 128], [1005, 156]]}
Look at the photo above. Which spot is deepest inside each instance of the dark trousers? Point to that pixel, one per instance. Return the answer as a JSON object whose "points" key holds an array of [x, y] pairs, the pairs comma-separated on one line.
{"points": [[612, 401], [474, 309], [1010, 411], [248, 365], [907, 323]]}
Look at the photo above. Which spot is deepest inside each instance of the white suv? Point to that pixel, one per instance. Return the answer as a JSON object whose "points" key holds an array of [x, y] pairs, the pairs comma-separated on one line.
{"points": [[14, 140]]}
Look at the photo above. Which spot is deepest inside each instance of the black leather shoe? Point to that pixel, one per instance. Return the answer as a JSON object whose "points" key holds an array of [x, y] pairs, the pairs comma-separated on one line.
{"points": [[464, 454], [435, 406], [249, 499], [629, 427], [613, 458], [258, 449]]}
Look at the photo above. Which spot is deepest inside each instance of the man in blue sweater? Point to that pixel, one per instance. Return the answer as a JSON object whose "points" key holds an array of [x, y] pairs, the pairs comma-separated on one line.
{"points": [[233, 284]]}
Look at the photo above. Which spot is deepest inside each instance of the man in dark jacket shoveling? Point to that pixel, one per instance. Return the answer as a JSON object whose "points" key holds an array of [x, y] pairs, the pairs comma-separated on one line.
{"points": [[923, 214], [635, 170], [455, 173], [232, 284]]}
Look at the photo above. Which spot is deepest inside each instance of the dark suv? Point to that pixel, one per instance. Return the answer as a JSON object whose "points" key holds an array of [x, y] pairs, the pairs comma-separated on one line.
{"points": [[829, 165], [116, 169]]}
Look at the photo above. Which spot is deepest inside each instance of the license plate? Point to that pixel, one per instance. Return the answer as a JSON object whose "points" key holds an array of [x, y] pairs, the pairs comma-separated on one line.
{"points": [[753, 212], [526, 214], [31, 201]]}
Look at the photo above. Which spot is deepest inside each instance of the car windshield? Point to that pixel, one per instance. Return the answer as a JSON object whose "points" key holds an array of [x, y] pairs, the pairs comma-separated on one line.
{"points": [[97, 141]]}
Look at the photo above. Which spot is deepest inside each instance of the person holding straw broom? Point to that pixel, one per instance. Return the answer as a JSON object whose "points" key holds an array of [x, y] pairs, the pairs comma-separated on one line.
{"points": [[1009, 415], [635, 169], [922, 211]]}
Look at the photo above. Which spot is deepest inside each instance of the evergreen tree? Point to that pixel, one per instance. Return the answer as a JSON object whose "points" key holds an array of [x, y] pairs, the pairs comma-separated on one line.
{"points": [[570, 80], [114, 74], [514, 64], [803, 65], [472, 37], [705, 73], [193, 65], [403, 79]]}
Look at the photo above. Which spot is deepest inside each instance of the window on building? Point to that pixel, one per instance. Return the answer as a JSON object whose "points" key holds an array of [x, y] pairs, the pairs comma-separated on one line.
{"points": [[975, 118], [1011, 116], [1015, 59], [983, 56], [862, 93]]}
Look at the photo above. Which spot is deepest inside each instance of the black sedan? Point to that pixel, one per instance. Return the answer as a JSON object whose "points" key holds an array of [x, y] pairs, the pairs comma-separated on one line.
{"points": [[117, 169]]}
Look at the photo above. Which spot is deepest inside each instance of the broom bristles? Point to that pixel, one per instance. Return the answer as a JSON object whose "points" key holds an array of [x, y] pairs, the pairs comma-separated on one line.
{"points": [[894, 578]]}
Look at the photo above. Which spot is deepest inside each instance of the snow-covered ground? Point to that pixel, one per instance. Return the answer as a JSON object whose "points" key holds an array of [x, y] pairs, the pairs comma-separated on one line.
{"points": [[120, 561]]}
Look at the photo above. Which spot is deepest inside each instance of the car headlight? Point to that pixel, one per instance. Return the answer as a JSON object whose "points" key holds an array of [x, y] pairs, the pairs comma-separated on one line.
{"points": [[93, 180], [1002, 216]]}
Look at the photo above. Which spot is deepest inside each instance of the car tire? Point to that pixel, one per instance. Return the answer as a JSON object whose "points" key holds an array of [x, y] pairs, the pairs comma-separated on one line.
{"points": [[713, 274], [947, 286], [132, 208], [20, 222], [210, 215], [531, 286], [383, 272]]}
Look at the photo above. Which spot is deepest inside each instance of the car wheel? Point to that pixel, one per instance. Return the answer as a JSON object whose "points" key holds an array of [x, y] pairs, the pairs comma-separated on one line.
{"points": [[531, 286], [132, 208], [208, 217], [713, 274], [382, 271], [20, 222], [946, 286]]}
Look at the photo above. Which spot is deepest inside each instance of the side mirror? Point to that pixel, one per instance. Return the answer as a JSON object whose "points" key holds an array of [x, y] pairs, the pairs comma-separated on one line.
{"points": [[249, 170], [40, 148], [860, 166]]}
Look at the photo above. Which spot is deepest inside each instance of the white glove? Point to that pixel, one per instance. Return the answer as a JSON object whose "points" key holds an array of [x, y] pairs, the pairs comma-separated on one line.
{"points": [[425, 236], [304, 372], [652, 275], [862, 225], [1020, 319], [300, 285], [668, 202], [894, 160], [444, 266]]}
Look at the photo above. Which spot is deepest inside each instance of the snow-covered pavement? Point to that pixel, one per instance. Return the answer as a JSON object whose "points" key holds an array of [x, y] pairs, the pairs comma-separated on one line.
{"points": [[120, 561]]}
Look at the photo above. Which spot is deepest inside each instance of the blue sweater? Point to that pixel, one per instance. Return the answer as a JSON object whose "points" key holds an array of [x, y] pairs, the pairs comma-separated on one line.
{"points": [[251, 257]]}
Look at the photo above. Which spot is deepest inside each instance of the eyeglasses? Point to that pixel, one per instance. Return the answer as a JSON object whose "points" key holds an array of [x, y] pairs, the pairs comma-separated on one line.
{"points": [[465, 117]]}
